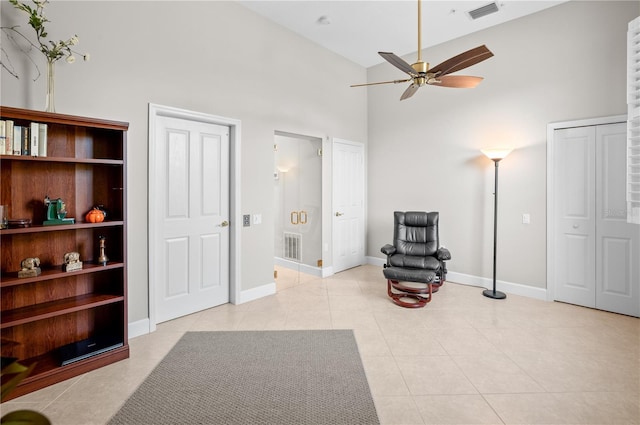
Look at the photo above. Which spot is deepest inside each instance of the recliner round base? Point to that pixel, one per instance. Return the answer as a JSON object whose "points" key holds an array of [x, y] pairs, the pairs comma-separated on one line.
{"points": [[418, 294]]}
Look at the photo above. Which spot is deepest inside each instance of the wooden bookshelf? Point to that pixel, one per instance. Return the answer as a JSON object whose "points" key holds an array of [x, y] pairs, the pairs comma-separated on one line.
{"points": [[84, 166]]}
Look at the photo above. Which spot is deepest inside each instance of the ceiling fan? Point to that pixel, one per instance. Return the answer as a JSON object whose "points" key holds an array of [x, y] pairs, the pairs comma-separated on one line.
{"points": [[420, 74]]}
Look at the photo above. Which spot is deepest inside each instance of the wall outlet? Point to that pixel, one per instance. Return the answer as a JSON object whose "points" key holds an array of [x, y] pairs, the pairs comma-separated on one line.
{"points": [[526, 218], [246, 220]]}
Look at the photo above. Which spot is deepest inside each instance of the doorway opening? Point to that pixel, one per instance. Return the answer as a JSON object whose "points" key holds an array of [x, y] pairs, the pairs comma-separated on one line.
{"points": [[297, 176]]}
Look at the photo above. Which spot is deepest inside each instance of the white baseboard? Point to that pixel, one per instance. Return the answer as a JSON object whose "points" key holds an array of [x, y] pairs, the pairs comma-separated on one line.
{"points": [[487, 283], [327, 271], [256, 293], [376, 261], [303, 268], [138, 328], [501, 285]]}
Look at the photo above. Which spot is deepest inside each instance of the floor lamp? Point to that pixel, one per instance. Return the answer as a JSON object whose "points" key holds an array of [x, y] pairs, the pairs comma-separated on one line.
{"points": [[495, 154]]}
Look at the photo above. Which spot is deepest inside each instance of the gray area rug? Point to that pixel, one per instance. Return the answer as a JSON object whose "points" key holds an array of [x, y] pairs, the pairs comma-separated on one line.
{"points": [[254, 378]]}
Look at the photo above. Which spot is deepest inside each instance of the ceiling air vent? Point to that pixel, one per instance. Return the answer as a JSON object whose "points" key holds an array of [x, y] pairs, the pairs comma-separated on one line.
{"points": [[485, 10]]}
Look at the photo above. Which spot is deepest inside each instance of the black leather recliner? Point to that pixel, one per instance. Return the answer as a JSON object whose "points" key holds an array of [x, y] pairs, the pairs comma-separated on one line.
{"points": [[415, 256]]}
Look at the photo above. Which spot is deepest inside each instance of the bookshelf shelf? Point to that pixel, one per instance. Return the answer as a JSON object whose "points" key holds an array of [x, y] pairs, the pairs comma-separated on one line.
{"points": [[51, 309], [61, 159], [38, 228], [55, 273]]}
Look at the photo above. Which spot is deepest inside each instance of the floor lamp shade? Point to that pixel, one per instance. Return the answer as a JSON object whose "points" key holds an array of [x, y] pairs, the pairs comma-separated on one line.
{"points": [[495, 154]]}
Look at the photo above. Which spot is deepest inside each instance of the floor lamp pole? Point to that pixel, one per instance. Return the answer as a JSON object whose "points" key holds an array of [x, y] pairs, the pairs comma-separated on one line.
{"points": [[493, 293]]}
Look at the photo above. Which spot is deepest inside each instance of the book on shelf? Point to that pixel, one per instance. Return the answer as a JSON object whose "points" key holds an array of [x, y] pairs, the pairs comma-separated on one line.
{"points": [[3, 136], [42, 146], [26, 141], [34, 138], [9, 140], [17, 140]]}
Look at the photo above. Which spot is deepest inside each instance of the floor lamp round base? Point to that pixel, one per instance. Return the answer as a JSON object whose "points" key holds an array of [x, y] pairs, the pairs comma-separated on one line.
{"points": [[494, 294]]}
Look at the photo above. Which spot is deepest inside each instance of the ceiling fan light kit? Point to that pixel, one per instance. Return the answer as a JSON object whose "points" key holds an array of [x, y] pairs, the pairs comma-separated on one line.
{"points": [[420, 74]]}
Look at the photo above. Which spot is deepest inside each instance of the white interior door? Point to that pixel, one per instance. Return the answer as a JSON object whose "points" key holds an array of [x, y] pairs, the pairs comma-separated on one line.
{"points": [[193, 226], [348, 204], [617, 241], [575, 271], [596, 263]]}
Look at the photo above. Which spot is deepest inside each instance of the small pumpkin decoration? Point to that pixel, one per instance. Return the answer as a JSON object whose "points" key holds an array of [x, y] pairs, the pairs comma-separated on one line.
{"points": [[96, 215]]}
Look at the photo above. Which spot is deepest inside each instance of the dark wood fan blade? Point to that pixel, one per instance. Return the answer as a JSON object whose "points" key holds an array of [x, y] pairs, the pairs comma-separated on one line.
{"points": [[457, 81], [461, 61], [410, 91], [398, 62], [381, 82]]}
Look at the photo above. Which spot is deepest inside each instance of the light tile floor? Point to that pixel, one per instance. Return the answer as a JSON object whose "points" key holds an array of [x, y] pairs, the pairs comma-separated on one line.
{"points": [[463, 359]]}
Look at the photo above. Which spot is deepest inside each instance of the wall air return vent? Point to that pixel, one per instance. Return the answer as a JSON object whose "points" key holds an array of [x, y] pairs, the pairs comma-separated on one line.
{"points": [[292, 249], [485, 10]]}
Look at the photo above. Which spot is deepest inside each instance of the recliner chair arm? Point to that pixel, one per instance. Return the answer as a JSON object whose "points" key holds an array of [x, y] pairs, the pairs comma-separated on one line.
{"points": [[443, 254], [388, 249]]}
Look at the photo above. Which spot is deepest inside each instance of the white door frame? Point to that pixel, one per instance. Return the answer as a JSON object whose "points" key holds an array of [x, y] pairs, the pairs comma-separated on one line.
{"points": [[234, 197], [551, 207]]}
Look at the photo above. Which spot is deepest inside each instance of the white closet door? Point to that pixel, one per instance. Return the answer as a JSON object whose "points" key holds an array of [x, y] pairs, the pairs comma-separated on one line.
{"points": [[597, 252], [617, 241], [575, 271]]}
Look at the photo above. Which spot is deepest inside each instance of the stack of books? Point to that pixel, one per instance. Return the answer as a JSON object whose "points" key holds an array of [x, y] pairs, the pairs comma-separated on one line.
{"points": [[23, 140]]}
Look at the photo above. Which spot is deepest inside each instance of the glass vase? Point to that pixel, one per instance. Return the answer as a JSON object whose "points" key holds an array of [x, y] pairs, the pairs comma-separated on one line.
{"points": [[51, 87]]}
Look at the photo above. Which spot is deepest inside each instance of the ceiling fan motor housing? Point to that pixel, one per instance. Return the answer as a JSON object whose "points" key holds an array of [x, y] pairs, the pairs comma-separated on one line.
{"points": [[423, 75], [421, 67]]}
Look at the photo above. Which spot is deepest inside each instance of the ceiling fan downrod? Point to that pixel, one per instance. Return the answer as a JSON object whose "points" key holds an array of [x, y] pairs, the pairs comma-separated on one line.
{"points": [[420, 31], [421, 68]]}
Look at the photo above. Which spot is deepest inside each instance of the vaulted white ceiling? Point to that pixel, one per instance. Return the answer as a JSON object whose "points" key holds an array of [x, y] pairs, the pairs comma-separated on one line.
{"points": [[359, 29]]}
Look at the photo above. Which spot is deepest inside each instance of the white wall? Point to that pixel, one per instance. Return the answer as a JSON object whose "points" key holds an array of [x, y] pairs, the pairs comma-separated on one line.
{"points": [[567, 62], [564, 63], [214, 57]]}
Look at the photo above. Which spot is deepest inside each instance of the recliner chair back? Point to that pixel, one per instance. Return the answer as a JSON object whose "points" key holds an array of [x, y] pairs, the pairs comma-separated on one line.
{"points": [[415, 237], [416, 233]]}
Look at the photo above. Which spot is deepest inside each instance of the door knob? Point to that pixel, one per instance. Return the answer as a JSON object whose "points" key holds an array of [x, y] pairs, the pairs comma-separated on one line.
{"points": [[338, 214], [575, 226], [224, 223]]}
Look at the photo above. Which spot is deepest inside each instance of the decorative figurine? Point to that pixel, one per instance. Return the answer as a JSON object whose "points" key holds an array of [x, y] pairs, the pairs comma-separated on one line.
{"points": [[72, 262], [56, 212], [95, 216], [30, 267], [102, 259]]}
